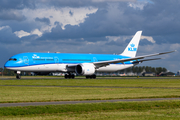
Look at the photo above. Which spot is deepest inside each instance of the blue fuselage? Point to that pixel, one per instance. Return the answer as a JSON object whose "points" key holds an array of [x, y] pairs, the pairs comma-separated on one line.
{"points": [[49, 62], [32, 59]]}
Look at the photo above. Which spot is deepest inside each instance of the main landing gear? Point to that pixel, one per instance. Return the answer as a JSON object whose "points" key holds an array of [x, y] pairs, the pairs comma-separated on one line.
{"points": [[91, 77], [69, 75]]}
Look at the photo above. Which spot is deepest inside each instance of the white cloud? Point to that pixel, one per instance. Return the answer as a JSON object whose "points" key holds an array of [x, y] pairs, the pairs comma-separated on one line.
{"points": [[37, 32], [4, 27], [116, 38], [113, 0], [149, 38], [60, 15], [139, 4], [175, 46], [21, 33], [124, 38]]}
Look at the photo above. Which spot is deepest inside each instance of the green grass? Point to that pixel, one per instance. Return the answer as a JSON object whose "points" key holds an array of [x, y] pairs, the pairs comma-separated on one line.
{"points": [[104, 111], [97, 82], [38, 94], [120, 110], [13, 94]]}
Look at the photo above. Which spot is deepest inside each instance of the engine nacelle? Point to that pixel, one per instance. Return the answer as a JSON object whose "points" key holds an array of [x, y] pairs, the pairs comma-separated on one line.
{"points": [[85, 69]]}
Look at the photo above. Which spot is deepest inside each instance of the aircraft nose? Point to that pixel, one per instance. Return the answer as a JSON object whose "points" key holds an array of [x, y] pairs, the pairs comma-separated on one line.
{"points": [[6, 65]]}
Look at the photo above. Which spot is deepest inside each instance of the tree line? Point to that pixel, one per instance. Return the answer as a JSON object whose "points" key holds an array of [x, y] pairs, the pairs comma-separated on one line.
{"points": [[6, 72], [140, 69]]}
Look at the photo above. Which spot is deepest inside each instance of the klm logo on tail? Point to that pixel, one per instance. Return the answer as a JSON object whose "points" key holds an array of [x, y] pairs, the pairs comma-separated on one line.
{"points": [[132, 47]]}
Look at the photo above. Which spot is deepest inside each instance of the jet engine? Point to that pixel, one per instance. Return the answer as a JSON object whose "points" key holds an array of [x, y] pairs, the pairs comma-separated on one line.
{"points": [[85, 69]]}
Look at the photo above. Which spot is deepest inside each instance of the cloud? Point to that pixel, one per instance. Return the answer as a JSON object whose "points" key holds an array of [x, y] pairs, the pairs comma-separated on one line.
{"points": [[44, 20], [17, 4], [139, 5], [149, 38], [60, 15], [7, 37], [71, 13], [37, 32], [4, 27], [11, 15], [113, 0], [22, 33]]}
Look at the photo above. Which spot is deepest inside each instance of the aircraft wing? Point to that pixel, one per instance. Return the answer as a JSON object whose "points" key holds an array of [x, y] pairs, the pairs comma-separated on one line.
{"points": [[105, 63], [140, 61]]}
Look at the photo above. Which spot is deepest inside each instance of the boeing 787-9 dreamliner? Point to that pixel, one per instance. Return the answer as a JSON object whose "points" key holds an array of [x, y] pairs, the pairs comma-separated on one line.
{"points": [[81, 64]]}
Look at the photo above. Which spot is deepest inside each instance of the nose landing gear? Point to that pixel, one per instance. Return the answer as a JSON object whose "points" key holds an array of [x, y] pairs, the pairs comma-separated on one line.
{"points": [[18, 76]]}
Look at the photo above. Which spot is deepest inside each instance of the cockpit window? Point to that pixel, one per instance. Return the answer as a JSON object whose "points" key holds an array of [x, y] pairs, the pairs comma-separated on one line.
{"points": [[12, 59]]}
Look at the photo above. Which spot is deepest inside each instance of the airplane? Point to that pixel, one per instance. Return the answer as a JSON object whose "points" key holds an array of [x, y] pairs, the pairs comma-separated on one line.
{"points": [[81, 64]]}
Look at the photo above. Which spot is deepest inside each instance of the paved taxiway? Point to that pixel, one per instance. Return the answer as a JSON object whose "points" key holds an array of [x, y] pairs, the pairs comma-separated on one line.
{"points": [[92, 86], [76, 102], [46, 78]]}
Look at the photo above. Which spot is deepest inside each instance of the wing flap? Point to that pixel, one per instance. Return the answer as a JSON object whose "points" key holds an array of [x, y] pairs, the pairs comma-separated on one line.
{"points": [[140, 61]]}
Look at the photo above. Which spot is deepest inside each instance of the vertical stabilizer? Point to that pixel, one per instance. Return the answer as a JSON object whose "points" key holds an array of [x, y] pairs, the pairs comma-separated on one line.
{"points": [[132, 47]]}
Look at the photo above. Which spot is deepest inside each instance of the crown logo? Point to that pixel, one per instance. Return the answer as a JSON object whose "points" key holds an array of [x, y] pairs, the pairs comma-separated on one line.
{"points": [[132, 48], [132, 45]]}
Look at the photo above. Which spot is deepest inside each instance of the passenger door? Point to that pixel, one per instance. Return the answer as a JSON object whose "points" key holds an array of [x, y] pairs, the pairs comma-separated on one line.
{"points": [[26, 60], [56, 60]]}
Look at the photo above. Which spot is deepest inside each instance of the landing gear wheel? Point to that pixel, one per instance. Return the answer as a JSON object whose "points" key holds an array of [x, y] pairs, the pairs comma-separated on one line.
{"points": [[94, 76], [18, 76], [69, 76], [66, 76], [91, 76], [72, 76]]}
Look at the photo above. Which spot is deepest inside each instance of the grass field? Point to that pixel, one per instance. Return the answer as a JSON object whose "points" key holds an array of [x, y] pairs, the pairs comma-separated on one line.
{"points": [[148, 88], [161, 110], [26, 90], [97, 82]]}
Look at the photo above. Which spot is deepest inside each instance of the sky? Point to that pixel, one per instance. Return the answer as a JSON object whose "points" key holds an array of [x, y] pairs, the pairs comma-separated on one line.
{"points": [[91, 26]]}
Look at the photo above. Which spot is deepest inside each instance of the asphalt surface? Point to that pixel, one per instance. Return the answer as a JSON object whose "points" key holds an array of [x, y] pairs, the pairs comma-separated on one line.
{"points": [[46, 78], [91, 86], [77, 102]]}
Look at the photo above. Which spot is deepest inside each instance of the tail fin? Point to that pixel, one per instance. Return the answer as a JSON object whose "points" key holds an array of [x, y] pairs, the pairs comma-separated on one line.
{"points": [[132, 47]]}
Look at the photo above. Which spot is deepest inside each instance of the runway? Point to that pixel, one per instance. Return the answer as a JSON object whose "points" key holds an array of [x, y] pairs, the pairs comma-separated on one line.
{"points": [[46, 78], [91, 86], [80, 102]]}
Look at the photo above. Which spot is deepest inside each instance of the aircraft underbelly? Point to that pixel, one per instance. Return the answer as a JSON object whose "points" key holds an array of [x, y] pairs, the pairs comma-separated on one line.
{"points": [[41, 68], [113, 67]]}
